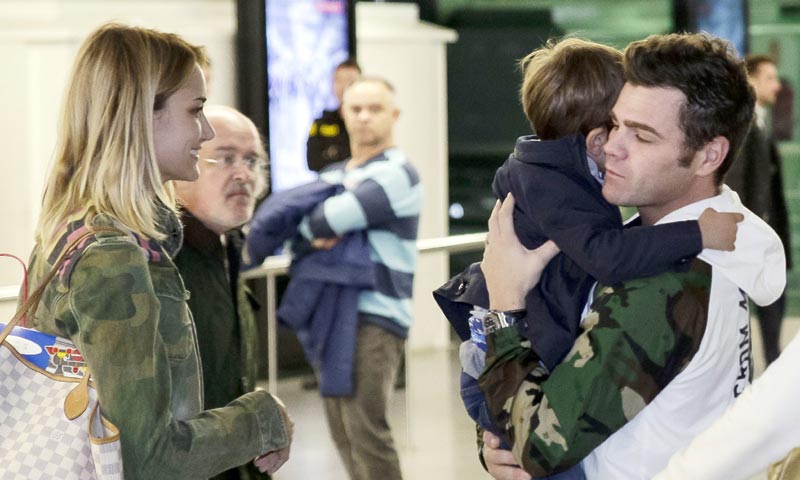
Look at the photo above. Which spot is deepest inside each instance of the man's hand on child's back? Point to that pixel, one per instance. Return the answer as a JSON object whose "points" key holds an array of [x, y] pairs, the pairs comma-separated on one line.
{"points": [[718, 229], [510, 269]]}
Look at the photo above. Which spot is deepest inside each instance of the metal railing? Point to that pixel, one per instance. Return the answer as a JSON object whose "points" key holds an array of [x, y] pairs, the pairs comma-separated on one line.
{"points": [[276, 266]]}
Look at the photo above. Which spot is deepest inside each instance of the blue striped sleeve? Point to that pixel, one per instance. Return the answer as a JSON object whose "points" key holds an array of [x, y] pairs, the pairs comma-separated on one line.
{"points": [[388, 192], [337, 215]]}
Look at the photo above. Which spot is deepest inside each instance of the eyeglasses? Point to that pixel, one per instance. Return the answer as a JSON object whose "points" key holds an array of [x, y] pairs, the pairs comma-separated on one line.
{"points": [[228, 162]]}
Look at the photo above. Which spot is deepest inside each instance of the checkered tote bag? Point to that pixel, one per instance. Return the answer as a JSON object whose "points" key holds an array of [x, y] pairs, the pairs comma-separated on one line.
{"points": [[51, 425]]}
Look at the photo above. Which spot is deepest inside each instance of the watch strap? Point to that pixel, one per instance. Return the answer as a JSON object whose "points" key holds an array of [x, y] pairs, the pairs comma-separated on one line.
{"points": [[496, 319]]}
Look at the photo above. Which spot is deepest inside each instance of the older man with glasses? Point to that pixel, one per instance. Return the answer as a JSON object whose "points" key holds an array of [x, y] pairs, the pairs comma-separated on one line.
{"points": [[233, 174]]}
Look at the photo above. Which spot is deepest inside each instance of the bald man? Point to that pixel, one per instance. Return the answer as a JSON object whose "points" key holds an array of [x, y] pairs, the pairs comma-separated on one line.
{"points": [[232, 170], [382, 198]]}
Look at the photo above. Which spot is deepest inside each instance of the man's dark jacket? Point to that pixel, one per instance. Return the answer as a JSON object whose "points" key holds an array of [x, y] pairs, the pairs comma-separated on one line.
{"points": [[756, 176], [222, 308], [328, 141]]}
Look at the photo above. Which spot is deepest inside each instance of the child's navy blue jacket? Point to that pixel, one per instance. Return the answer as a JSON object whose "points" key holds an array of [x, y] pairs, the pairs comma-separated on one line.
{"points": [[558, 198]]}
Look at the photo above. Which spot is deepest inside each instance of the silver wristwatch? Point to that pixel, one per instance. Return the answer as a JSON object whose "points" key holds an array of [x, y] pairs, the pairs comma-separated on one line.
{"points": [[495, 320]]}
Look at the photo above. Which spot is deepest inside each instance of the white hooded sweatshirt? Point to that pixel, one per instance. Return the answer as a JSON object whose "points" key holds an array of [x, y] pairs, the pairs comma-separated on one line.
{"points": [[721, 368]]}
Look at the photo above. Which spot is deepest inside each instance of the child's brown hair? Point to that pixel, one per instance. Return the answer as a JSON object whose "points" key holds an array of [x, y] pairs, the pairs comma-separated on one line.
{"points": [[570, 86]]}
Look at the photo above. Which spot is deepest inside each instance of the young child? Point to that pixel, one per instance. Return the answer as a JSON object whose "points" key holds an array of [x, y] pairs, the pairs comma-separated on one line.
{"points": [[556, 177]]}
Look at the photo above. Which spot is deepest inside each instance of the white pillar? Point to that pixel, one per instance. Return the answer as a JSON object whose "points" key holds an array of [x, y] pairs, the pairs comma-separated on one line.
{"points": [[392, 42]]}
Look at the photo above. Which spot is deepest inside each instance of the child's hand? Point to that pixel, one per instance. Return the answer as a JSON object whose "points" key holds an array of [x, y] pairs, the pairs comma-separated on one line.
{"points": [[719, 229]]}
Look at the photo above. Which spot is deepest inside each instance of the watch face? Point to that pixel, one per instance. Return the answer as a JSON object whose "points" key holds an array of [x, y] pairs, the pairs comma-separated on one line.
{"points": [[490, 322], [494, 320]]}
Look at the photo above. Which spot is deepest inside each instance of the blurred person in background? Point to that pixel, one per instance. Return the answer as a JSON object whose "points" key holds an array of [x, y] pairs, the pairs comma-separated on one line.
{"points": [[353, 244], [328, 141], [756, 176]]}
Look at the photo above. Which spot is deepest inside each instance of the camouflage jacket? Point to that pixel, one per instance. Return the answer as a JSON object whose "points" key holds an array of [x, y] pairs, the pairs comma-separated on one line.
{"points": [[120, 299], [625, 355]]}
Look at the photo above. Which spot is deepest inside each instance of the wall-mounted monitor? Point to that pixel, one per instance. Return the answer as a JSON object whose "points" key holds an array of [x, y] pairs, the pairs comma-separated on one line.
{"points": [[288, 50]]}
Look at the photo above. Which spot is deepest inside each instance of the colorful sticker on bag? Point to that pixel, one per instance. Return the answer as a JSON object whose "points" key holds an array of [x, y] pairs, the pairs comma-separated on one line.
{"points": [[50, 353], [65, 359]]}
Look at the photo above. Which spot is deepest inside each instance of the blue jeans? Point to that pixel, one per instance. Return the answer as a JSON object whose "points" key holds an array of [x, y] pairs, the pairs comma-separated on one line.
{"points": [[574, 473]]}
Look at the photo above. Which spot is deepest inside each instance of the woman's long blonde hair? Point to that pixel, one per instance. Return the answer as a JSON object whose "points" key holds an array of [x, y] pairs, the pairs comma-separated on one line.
{"points": [[105, 158]]}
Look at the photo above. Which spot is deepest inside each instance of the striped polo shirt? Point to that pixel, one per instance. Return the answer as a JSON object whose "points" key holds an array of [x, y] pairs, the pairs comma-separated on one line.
{"points": [[382, 196]]}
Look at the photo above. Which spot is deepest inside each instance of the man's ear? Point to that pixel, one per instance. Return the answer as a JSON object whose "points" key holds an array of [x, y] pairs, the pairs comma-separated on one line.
{"points": [[595, 140], [712, 155]]}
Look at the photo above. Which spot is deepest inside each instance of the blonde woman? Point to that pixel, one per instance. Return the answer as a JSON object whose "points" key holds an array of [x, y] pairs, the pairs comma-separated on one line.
{"points": [[133, 121]]}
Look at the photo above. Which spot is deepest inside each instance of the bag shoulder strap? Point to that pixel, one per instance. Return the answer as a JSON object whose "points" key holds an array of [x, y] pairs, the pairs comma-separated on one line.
{"points": [[32, 302]]}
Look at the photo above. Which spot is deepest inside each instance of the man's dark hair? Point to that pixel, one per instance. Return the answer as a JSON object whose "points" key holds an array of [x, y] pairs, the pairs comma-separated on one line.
{"points": [[719, 99], [753, 61]]}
